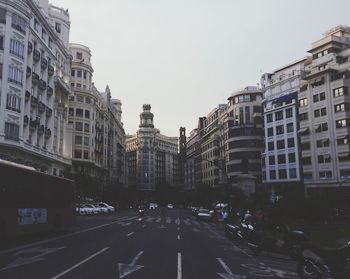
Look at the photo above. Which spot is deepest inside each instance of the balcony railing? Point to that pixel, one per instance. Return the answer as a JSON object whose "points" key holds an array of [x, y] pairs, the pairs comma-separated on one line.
{"points": [[44, 63], [33, 124], [41, 129], [34, 101], [27, 96], [42, 84], [41, 107], [35, 78], [28, 72], [30, 47], [50, 70], [36, 55], [49, 90], [47, 133]]}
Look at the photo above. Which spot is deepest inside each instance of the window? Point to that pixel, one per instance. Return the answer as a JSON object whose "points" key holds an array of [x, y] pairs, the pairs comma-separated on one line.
{"points": [[280, 144], [79, 85], [271, 145], [78, 126], [269, 118], [17, 48], [270, 132], [86, 154], [278, 115], [87, 100], [86, 127], [320, 112], [291, 142], [281, 158], [325, 174], [77, 153], [322, 143], [79, 112], [293, 173], [306, 161], [50, 42], [341, 91], [79, 73], [279, 129], [2, 15], [271, 160], [343, 140], [73, 73], [342, 123], [86, 141], [322, 127], [282, 174], [2, 42], [341, 107], [289, 113], [84, 74], [291, 157], [319, 97], [303, 102], [290, 127], [80, 99], [305, 146], [13, 103], [11, 131], [19, 23], [71, 112], [272, 174], [58, 27], [87, 114], [43, 35], [323, 159], [15, 75], [78, 140], [303, 116], [79, 56]]}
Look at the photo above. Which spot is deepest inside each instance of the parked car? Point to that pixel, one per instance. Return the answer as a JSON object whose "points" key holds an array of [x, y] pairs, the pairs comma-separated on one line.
{"points": [[153, 205], [170, 206], [80, 209], [195, 210], [106, 207], [103, 209], [94, 210], [204, 215]]}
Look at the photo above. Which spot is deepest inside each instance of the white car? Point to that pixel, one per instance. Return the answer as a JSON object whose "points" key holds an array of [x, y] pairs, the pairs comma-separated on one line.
{"points": [[170, 206], [94, 210], [153, 205], [106, 207], [79, 209]]}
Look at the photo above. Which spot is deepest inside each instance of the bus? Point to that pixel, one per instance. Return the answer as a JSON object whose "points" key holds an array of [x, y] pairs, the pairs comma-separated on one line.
{"points": [[32, 201]]}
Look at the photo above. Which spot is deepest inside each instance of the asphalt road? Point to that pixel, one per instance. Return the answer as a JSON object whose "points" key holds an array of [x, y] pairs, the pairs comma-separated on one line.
{"points": [[125, 246]]}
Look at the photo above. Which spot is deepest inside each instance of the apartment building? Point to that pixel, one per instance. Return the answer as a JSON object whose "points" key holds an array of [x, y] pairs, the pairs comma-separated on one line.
{"points": [[152, 158], [324, 112], [34, 80], [281, 159]]}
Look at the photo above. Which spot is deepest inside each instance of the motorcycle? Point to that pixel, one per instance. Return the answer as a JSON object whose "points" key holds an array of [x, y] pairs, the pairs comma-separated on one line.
{"points": [[278, 238], [141, 212], [239, 232], [316, 263]]}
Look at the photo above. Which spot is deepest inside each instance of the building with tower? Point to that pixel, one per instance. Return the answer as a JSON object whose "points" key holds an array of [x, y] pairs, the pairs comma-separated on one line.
{"points": [[152, 158]]}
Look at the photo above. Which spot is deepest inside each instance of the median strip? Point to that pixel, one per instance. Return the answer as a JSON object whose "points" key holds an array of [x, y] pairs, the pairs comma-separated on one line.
{"points": [[129, 234]]}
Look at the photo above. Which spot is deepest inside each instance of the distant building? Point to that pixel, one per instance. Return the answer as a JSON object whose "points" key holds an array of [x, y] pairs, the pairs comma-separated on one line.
{"points": [[34, 80], [182, 157], [152, 158], [324, 112], [281, 160]]}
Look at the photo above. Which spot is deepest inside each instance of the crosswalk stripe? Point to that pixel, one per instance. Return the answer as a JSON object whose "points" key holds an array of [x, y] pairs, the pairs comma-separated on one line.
{"points": [[158, 220], [149, 219], [168, 220]]}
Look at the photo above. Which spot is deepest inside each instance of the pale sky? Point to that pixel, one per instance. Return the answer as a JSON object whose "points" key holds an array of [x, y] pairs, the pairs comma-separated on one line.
{"points": [[184, 57]]}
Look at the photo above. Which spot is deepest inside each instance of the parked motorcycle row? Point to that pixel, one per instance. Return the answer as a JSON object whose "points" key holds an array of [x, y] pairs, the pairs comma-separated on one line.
{"points": [[278, 237], [93, 208]]}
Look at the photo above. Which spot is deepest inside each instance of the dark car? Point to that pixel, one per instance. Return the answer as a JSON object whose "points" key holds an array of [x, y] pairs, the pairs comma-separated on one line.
{"points": [[204, 215], [277, 237]]}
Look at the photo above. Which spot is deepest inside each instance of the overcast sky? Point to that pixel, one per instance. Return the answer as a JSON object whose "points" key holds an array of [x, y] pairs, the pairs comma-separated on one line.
{"points": [[184, 57]]}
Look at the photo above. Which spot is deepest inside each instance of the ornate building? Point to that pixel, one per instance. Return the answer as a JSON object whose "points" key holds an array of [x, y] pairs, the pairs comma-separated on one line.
{"points": [[151, 157], [34, 80]]}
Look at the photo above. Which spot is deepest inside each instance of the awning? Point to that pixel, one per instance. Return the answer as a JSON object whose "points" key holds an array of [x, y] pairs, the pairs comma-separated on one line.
{"points": [[286, 98], [303, 130]]}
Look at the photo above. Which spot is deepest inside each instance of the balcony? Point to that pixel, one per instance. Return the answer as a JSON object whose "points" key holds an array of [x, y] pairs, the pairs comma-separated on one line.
{"points": [[44, 63], [50, 70], [27, 96], [48, 112], [25, 120], [42, 85], [28, 72], [36, 55], [33, 124], [30, 47], [41, 107], [35, 78], [49, 90], [41, 129], [34, 101], [47, 133]]}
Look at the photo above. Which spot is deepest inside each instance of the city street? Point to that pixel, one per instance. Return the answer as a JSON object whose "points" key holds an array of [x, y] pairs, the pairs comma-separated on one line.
{"points": [[125, 246]]}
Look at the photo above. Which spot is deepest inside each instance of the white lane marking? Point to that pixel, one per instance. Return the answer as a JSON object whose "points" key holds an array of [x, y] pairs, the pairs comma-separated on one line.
{"points": [[126, 269], [178, 228], [125, 224], [80, 263], [227, 269], [52, 239], [158, 220], [129, 234], [168, 220], [179, 268], [195, 229], [177, 221], [143, 226], [149, 219], [228, 274], [178, 237]]}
